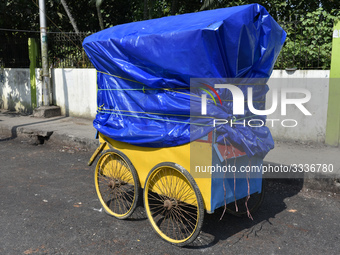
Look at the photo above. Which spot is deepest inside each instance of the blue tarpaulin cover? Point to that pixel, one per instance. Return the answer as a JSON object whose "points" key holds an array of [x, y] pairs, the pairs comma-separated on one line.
{"points": [[144, 70]]}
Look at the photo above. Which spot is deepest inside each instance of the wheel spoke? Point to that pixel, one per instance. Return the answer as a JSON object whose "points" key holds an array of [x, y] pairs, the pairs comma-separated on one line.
{"points": [[176, 220], [155, 198], [194, 215], [159, 210], [181, 211], [161, 184], [185, 228]]}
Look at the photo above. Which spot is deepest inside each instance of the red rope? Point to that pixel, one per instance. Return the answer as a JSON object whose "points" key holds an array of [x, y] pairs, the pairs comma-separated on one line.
{"points": [[224, 189], [248, 196]]}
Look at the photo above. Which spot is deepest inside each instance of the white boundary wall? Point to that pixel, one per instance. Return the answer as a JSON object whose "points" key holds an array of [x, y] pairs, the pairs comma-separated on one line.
{"points": [[15, 89], [74, 90], [309, 128]]}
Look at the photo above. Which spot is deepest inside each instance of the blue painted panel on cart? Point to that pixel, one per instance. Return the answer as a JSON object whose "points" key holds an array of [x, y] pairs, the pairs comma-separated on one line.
{"points": [[227, 192]]}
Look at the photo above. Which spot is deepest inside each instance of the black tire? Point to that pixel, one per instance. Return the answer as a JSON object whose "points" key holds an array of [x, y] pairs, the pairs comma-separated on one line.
{"points": [[117, 184], [173, 203]]}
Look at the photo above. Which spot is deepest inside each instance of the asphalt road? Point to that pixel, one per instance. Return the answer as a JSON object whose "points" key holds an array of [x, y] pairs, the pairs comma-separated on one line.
{"points": [[48, 205]]}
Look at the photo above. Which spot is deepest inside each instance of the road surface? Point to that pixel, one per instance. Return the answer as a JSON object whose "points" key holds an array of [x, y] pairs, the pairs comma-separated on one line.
{"points": [[48, 205]]}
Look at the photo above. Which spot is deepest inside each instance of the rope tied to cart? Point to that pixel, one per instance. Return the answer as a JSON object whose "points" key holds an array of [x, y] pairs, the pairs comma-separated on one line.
{"points": [[247, 178], [248, 196], [175, 90]]}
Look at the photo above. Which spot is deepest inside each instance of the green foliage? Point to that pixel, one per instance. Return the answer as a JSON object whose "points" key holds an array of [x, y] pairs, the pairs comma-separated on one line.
{"points": [[18, 14], [308, 26], [309, 29], [309, 41]]}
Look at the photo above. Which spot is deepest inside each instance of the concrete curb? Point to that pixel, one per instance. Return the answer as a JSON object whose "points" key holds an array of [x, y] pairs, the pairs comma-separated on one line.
{"points": [[40, 136], [80, 142], [77, 132]]}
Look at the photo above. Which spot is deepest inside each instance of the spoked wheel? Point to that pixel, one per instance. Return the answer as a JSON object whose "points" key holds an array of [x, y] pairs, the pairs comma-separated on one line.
{"points": [[116, 184], [173, 203], [254, 202]]}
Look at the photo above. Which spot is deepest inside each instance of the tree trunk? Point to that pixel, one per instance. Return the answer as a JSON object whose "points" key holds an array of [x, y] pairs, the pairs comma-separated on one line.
{"points": [[207, 4], [67, 10], [150, 7], [146, 8], [174, 7], [100, 18]]}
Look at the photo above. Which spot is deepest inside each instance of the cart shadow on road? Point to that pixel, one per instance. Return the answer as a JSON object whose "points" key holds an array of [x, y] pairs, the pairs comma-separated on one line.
{"points": [[230, 230]]}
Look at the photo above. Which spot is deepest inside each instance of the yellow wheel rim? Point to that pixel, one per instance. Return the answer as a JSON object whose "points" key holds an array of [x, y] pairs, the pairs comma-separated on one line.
{"points": [[115, 185], [171, 204]]}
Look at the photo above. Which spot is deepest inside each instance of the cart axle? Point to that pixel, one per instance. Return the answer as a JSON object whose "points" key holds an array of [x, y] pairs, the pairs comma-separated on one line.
{"points": [[168, 204]]}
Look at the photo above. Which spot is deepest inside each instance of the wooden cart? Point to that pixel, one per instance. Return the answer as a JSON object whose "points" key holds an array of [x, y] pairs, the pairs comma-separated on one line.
{"points": [[177, 184]]}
